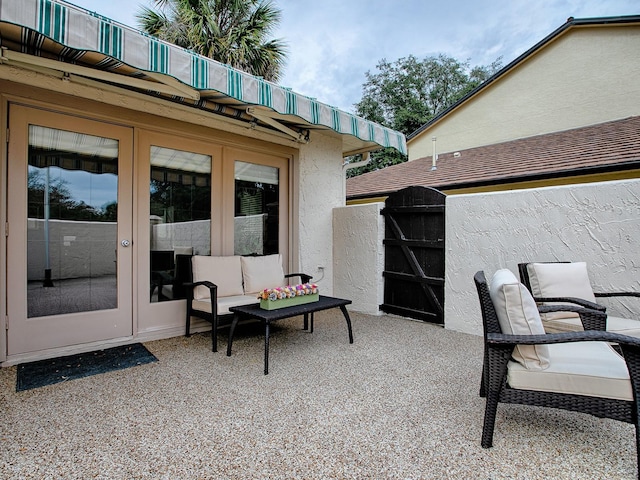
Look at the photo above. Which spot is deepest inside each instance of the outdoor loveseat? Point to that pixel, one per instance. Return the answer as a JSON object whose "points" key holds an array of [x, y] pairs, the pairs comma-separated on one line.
{"points": [[217, 283], [577, 371]]}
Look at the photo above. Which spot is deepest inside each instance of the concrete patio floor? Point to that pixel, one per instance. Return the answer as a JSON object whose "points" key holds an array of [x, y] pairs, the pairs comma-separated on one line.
{"points": [[400, 403]]}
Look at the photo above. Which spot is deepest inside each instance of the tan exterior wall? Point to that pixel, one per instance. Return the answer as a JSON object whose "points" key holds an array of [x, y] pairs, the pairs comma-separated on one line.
{"points": [[586, 76]]}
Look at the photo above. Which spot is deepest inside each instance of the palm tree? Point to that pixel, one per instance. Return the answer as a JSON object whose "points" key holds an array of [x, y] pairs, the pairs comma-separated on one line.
{"points": [[234, 32]]}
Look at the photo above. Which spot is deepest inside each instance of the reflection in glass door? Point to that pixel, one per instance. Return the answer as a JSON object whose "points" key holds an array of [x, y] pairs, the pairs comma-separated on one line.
{"points": [[72, 222], [257, 207], [180, 217]]}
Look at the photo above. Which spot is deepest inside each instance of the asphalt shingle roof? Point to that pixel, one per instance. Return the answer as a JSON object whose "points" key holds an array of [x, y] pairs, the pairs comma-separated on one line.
{"points": [[613, 145]]}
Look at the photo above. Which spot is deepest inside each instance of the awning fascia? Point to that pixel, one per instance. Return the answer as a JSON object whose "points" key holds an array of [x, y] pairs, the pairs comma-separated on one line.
{"points": [[165, 84]]}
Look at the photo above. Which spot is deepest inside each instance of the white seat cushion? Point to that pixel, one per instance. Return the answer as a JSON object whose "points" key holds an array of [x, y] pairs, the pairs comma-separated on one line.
{"points": [[259, 273], [560, 280], [224, 303], [518, 314], [225, 272], [581, 368], [625, 326]]}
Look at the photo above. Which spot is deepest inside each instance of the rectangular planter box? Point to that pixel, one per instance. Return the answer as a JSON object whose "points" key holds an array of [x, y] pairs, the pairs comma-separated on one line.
{"points": [[288, 302]]}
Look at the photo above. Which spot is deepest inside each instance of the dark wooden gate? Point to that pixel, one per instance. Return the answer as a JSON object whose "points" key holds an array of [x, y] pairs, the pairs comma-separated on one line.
{"points": [[414, 254]]}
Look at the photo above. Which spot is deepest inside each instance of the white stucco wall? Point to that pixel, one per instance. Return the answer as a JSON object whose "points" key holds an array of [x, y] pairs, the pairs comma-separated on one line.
{"points": [[358, 255], [318, 178], [598, 223], [585, 77]]}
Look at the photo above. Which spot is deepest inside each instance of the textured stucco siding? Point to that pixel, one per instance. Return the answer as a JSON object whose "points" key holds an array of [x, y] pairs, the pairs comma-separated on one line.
{"points": [[319, 178], [586, 77], [596, 223], [358, 256]]}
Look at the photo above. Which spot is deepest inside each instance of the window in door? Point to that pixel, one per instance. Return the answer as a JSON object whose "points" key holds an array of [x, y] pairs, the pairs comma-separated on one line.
{"points": [[257, 204], [72, 191], [180, 217]]}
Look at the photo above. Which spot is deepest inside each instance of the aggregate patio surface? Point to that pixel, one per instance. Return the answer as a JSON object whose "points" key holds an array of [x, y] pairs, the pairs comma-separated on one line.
{"points": [[400, 403]]}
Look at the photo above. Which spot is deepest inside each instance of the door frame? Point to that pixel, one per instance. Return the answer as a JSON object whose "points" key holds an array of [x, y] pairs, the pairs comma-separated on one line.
{"points": [[3, 221], [28, 336]]}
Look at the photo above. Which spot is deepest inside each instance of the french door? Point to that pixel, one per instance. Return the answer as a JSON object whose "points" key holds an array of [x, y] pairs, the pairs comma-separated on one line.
{"points": [[70, 252]]}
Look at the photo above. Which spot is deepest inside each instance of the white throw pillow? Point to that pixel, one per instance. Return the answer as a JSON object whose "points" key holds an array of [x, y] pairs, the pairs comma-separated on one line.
{"points": [[560, 280], [518, 315], [262, 272], [225, 272]]}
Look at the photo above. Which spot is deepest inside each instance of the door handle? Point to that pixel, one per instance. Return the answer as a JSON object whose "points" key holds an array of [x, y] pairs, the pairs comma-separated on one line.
{"points": [[125, 243]]}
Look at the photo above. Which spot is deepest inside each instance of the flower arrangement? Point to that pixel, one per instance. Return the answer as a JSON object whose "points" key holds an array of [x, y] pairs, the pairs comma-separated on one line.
{"points": [[288, 291]]}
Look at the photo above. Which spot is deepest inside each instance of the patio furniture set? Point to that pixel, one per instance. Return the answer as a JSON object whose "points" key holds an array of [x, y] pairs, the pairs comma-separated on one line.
{"points": [[225, 289], [547, 342]]}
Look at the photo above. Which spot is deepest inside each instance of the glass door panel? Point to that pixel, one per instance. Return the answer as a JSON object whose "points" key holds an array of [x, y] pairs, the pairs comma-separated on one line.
{"points": [[180, 216], [257, 208], [72, 219]]}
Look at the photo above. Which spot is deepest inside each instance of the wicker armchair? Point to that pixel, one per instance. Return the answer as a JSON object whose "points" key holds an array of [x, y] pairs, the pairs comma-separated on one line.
{"points": [[516, 364], [568, 282]]}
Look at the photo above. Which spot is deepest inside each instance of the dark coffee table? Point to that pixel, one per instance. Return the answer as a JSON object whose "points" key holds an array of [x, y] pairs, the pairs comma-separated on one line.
{"points": [[254, 311]]}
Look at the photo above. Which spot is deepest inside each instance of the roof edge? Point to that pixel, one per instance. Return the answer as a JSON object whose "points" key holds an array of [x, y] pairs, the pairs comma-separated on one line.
{"points": [[573, 172]]}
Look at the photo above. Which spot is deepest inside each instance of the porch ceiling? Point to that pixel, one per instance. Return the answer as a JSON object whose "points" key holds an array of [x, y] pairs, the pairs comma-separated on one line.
{"points": [[52, 35]]}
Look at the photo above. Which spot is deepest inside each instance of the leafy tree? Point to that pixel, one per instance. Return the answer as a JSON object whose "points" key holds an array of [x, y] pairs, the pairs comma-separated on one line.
{"points": [[406, 94], [234, 32]]}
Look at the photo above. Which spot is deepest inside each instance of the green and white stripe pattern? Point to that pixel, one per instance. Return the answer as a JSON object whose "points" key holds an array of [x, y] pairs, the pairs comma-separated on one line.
{"points": [[110, 39], [71, 26], [199, 73], [52, 20]]}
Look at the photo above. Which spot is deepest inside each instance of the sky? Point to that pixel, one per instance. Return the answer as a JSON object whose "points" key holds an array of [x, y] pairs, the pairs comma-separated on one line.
{"points": [[333, 43]]}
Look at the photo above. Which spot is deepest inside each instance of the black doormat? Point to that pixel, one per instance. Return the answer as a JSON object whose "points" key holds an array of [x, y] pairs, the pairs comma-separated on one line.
{"points": [[61, 369]]}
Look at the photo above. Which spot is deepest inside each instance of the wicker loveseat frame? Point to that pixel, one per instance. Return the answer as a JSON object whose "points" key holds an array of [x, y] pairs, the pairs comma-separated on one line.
{"points": [[498, 349]]}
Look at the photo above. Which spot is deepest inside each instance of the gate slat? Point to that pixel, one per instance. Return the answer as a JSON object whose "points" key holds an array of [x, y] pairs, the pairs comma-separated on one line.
{"points": [[405, 277], [414, 209], [439, 243]]}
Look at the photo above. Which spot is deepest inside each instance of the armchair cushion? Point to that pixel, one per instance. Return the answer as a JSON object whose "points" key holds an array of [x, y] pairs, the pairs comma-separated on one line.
{"points": [[259, 273], [517, 314], [624, 326], [225, 272], [560, 280], [580, 368]]}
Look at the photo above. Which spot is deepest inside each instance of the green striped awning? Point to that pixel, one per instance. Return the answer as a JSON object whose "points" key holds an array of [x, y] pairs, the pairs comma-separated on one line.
{"points": [[62, 32]]}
